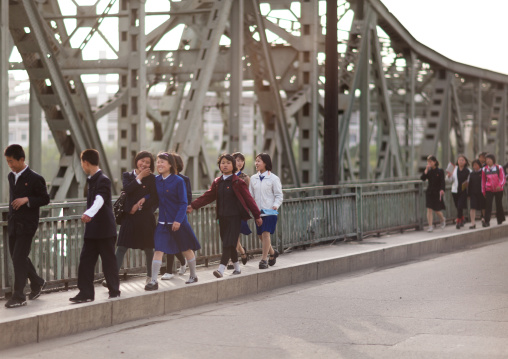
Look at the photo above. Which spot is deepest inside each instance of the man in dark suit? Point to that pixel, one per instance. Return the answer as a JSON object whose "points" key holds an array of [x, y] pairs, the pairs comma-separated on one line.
{"points": [[27, 192], [100, 232]]}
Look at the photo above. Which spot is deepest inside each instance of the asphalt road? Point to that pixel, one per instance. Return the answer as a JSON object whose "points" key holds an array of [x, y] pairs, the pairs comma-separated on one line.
{"points": [[454, 306]]}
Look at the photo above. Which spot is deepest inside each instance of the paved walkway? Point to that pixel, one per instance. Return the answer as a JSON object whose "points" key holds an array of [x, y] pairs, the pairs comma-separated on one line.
{"points": [[52, 315]]}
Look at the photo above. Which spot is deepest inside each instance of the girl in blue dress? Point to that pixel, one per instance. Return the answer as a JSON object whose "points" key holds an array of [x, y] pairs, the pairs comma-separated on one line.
{"points": [[173, 233]]}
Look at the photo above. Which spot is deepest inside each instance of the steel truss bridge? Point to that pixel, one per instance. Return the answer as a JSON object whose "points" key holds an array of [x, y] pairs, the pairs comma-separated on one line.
{"points": [[398, 89]]}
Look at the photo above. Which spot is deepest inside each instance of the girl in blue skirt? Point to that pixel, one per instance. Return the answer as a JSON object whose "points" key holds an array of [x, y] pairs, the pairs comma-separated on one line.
{"points": [[173, 233]]}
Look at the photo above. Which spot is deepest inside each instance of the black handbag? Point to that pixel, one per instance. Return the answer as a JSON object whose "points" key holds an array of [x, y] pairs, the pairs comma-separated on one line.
{"points": [[119, 208]]}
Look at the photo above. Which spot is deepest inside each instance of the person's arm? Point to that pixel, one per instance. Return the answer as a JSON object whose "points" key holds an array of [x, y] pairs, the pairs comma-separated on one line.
{"points": [[249, 201], [189, 190], [206, 198], [442, 185], [277, 192], [129, 183], [484, 182], [40, 196], [182, 205], [502, 181], [96, 206]]}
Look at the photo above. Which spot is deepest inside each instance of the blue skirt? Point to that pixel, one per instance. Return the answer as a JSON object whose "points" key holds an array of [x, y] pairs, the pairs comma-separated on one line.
{"points": [[171, 242], [269, 223], [244, 229]]}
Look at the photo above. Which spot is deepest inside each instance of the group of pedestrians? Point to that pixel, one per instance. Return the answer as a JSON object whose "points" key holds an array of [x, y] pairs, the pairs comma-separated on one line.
{"points": [[482, 184], [235, 193]]}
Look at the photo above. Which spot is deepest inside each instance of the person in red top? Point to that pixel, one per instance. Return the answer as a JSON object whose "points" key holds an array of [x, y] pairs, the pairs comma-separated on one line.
{"points": [[234, 202], [493, 181]]}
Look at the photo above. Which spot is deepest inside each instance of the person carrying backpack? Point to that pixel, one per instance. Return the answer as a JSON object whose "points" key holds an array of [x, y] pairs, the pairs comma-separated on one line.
{"points": [[493, 181]]}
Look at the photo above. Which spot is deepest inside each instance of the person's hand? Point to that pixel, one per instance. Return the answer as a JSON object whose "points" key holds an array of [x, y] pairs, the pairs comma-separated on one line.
{"points": [[189, 209], [17, 203], [448, 174], [143, 173], [274, 207], [259, 222], [498, 188], [441, 194], [134, 209], [85, 218], [176, 226]]}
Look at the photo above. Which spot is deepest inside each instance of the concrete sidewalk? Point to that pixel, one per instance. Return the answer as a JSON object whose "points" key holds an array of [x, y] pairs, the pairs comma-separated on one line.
{"points": [[52, 315]]}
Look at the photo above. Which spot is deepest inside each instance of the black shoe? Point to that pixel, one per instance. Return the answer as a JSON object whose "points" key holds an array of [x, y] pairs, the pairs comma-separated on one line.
{"points": [[485, 224], [14, 303], [152, 286], [236, 272], [34, 294], [217, 274], [230, 266], [111, 296], [273, 258], [263, 264], [473, 226], [192, 280], [80, 299], [244, 256]]}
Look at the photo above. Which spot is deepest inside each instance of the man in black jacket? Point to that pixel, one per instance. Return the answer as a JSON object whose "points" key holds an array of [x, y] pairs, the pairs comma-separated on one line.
{"points": [[27, 192], [100, 232]]}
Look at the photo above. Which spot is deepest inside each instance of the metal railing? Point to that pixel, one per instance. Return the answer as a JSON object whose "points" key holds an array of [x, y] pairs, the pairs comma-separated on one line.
{"points": [[308, 215]]}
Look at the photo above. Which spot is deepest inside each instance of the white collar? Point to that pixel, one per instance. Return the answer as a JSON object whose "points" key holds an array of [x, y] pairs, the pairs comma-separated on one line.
{"points": [[94, 174], [17, 174], [224, 177], [265, 174], [164, 178]]}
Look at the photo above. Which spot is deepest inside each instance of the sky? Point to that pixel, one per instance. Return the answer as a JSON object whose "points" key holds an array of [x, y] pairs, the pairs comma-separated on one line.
{"points": [[469, 31]]}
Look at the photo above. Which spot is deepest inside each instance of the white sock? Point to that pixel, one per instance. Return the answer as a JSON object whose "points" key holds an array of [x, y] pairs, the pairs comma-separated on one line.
{"points": [[237, 266], [192, 267], [156, 266], [222, 268]]}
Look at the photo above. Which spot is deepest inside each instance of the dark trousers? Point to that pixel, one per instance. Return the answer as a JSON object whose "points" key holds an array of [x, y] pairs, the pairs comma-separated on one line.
{"points": [[120, 254], [92, 249], [170, 259], [20, 243], [498, 196], [460, 200], [228, 252]]}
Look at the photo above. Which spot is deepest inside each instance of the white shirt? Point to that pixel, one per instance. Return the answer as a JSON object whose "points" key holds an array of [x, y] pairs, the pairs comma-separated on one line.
{"points": [[17, 175], [97, 204], [455, 180], [267, 192], [135, 175], [224, 177]]}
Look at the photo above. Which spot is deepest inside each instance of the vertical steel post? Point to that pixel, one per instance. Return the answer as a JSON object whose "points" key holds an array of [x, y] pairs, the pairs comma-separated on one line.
{"points": [[331, 123], [35, 129], [364, 109], [477, 126], [501, 134], [235, 90], [410, 112], [4, 96]]}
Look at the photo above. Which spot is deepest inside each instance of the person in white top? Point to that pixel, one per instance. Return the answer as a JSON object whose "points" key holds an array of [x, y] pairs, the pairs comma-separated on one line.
{"points": [[266, 189]]}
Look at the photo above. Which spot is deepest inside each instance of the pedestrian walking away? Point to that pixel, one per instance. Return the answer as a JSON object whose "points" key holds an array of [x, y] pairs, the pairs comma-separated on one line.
{"points": [[234, 202], [173, 233], [266, 189], [434, 196], [27, 193], [100, 232]]}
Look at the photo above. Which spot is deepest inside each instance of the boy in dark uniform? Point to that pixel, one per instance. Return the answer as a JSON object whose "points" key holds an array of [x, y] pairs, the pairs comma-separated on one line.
{"points": [[100, 232], [27, 192]]}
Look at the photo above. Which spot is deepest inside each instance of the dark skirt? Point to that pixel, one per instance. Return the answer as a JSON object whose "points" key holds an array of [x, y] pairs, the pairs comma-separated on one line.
{"points": [[433, 201], [229, 227], [171, 242], [269, 224], [137, 230], [245, 229], [477, 201], [460, 200]]}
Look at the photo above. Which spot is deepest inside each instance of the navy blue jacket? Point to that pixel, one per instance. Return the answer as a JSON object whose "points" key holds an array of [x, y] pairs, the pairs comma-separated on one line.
{"points": [[32, 185], [187, 187], [172, 199], [103, 223]]}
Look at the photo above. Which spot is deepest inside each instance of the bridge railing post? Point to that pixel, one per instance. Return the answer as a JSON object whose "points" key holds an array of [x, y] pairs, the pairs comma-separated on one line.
{"points": [[419, 205], [359, 212]]}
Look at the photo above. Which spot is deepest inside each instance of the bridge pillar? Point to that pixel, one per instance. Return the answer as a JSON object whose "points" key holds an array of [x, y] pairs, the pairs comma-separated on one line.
{"points": [[4, 96]]}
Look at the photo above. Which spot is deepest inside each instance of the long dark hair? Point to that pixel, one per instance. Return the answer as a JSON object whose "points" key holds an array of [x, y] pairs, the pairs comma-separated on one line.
{"points": [[433, 159], [144, 154], [464, 157]]}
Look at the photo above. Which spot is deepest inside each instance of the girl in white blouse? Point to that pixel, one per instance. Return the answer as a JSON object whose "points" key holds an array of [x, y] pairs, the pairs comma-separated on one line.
{"points": [[266, 189]]}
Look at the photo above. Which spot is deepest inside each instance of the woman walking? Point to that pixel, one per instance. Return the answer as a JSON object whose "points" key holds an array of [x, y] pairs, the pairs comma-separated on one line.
{"points": [[266, 189], [434, 197], [240, 165], [173, 233], [459, 179], [493, 181], [233, 204], [476, 199]]}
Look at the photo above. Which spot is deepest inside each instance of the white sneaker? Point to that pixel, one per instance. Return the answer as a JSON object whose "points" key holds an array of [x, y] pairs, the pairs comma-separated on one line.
{"points": [[167, 276], [431, 229], [183, 269], [443, 224]]}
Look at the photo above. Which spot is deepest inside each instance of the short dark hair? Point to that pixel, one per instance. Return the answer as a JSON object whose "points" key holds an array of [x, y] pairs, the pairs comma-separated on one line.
{"points": [[179, 162], [482, 154], [434, 159], [228, 157], [14, 151], [477, 162], [144, 154], [493, 158], [91, 156], [240, 156], [265, 157], [170, 157]]}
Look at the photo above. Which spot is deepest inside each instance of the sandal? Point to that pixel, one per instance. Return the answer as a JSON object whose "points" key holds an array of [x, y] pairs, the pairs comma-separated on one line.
{"points": [[273, 258], [244, 256]]}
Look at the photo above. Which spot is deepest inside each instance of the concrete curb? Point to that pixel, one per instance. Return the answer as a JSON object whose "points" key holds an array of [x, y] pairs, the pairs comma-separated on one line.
{"points": [[75, 319]]}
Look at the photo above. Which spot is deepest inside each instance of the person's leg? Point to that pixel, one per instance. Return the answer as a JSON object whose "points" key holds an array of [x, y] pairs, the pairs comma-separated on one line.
{"points": [[149, 258], [106, 249], [181, 258], [442, 219], [87, 260], [429, 216], [19, 247], [265, 245], [472, 214], [170, 260], [489, 196], [191, 262], [156, 264], [499, 207], [120, 254], [224, 259]]}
